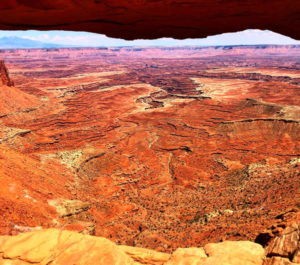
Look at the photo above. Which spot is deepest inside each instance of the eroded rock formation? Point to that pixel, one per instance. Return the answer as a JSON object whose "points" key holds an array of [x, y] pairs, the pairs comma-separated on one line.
{"points": [[153, 19], [155, 148], [65, 247], [53, 246], [4, 75], [285, 248]]}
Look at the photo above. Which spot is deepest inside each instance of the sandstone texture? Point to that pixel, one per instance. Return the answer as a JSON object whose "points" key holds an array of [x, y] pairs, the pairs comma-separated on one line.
{"points": [[68, 207], [157, 148], [65, 247], [53, 246], [285, 248], [152, 19]]}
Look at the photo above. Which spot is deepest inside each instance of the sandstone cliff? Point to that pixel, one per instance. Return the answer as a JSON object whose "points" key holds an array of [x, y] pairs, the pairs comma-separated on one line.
{"points": [[4, 75]]}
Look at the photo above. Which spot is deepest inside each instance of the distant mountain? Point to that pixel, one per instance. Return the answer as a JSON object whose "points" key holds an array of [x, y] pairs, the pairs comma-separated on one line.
{"points": [[248, 37], [23, 43], [57, 39]]}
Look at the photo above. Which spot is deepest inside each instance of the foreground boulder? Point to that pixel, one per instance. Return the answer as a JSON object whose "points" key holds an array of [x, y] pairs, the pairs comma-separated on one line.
{"points": [[285, 248], [60, 247]]}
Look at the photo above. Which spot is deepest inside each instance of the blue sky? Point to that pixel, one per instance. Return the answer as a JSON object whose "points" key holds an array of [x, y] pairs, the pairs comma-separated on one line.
{"points": [[87, 39]]}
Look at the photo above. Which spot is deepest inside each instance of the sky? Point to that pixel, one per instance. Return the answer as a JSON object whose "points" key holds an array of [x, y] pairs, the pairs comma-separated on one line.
{"points": [[87, 39]]}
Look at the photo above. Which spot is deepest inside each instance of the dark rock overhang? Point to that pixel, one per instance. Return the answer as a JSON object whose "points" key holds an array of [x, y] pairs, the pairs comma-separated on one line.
{"points": [[153, 18]]}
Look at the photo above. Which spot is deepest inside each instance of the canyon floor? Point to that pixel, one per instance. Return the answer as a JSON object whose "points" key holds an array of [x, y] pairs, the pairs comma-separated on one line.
{"points": [[151, 147]]}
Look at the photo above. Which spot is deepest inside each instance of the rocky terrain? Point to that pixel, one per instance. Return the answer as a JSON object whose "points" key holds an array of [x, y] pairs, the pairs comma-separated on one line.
{"points": [[156, 148], [54, 246]]}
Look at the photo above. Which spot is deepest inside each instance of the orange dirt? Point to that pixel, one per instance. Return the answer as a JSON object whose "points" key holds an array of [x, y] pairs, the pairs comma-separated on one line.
{"points": [[167, 147]]}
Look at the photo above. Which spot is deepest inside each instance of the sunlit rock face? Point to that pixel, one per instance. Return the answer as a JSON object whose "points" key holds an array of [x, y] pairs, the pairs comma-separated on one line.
{"points": [[153, 19], [64, 247], [284, 248], [158, 147], [54, 246]]}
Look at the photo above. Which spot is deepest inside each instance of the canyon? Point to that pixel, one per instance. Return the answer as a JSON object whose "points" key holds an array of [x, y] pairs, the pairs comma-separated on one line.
{"points": [[152, 148]]}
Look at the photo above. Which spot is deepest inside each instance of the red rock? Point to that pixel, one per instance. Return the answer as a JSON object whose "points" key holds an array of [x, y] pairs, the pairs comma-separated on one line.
{"points": [[152, 19], [132, 134], [4, 75], [284, 249], [287, 244]]}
